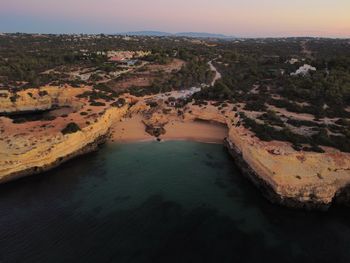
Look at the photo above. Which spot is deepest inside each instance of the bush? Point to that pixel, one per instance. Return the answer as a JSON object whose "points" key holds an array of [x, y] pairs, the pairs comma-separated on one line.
{"points": [[98, 104], [71, 127], [255, 106], [49, 118], [119, 103], [43, 93], [104, 88], [14, 98], [271, 118], [152, 104]]}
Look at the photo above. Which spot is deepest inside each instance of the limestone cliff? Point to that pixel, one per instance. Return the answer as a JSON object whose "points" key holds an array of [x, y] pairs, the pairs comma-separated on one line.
{"points": [[289, 177], [23, 153], [306, 178], [59, 148], [43, 98], [297, 179]]}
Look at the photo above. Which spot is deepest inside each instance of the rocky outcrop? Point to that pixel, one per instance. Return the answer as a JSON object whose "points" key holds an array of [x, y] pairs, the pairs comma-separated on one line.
{"points": [[295, 179], [45, 98], [267, 189], [32, 170], [51, 151], [300, 179], [23, 153], [292, 178]]}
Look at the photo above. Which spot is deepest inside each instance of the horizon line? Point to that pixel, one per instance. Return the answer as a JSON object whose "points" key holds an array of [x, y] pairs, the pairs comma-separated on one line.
{"points": [[171, 34]]}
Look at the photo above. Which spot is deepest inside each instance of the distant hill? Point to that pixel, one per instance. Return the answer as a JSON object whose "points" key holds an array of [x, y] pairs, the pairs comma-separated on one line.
{"points": [[201, 35], [181, 34], [148, 33]]}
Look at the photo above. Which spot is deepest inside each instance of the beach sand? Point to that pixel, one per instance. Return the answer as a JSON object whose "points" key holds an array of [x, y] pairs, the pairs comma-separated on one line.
{"points": [[132, 129], [201, 131]]}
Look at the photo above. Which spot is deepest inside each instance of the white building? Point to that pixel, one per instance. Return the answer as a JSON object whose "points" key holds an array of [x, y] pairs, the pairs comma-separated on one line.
{"points": [[303, 70]]}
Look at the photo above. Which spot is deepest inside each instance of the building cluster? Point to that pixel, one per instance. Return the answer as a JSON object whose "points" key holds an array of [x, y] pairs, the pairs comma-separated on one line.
{"points": [[127, 58], [303, 70]]}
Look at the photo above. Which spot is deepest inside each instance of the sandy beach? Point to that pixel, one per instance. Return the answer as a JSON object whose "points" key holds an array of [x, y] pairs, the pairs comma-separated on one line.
{"points": [[129, 130], [132, 129], [200, 131]]}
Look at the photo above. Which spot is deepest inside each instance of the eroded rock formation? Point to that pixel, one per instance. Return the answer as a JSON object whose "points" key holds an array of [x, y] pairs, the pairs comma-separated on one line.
{"points": [[296, 179], [286, 176], [33, 147]]}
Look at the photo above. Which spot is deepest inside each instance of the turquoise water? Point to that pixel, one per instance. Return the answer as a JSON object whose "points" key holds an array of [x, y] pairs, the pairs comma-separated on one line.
{"points": [[159, 202]]}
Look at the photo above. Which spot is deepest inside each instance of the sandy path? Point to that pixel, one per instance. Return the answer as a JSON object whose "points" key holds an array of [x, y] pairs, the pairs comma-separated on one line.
{"points": [[217, 73], [132, 129]]}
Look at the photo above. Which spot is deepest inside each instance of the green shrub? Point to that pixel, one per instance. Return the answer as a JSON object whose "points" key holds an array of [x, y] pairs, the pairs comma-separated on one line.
{"points": [[98, 104], [71, 127], [43, 93], [14, 98], [119, 103]]}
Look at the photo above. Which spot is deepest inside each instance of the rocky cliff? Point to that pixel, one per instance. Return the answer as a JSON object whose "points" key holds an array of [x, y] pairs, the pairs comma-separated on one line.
{"points": [[23, 153], [43, 98], [293, 178], [297, 179]]}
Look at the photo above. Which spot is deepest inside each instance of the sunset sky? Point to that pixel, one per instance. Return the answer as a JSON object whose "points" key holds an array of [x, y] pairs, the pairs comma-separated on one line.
{"points": [[248, 18]]}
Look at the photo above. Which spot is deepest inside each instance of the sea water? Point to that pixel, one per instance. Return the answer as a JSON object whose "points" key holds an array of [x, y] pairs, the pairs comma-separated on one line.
{"points": [[159, 202]]}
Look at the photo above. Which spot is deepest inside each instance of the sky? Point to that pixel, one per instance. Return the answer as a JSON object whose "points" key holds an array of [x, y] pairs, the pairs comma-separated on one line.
{"points": [[242, 18]]}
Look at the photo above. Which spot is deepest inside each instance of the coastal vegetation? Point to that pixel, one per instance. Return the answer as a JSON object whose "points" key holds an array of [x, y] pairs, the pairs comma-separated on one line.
{"points": [[265, 76], [71, 127], [261, 76]]}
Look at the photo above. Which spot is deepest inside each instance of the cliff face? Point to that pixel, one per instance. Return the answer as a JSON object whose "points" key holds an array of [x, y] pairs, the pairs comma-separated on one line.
{"points": [[298, 179], [289, 177], [207, 113], [28, 153], [53, 149], [39, 99]]}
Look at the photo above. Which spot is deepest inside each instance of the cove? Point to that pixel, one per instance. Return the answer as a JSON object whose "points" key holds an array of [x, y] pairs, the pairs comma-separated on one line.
{"points": [[159, 202]]}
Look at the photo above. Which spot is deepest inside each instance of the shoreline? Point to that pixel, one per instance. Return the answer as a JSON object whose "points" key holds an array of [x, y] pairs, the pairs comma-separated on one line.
{"points": [[268, 165], [189, 139], [91, 147], [267, 189], [132, 130], [179, 139]]}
